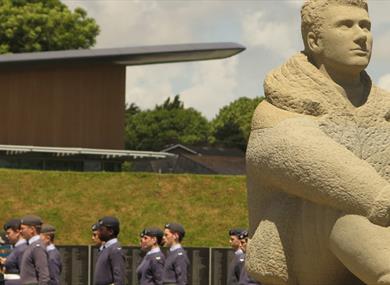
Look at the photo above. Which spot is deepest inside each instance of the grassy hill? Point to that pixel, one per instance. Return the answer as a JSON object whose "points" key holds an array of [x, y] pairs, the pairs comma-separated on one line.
{"points": [[206, 205]]}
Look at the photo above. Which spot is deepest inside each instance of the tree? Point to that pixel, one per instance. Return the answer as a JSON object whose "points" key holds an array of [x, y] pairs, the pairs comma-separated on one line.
{"points": [[171, 105], [169, 123], [132, 109], [232, 125], [43, 25]]}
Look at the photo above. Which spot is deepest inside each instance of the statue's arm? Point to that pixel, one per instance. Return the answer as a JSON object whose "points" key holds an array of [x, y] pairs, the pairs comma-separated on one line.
{"points": [[290, 153]]}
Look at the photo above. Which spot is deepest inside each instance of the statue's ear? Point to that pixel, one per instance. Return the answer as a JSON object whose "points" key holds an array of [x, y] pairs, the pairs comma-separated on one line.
{"points": [[313, 43]]}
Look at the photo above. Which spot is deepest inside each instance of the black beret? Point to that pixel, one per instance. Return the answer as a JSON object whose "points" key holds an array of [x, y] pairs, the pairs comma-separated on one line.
{"points": [[94, 227], [236, 232], [152, 232], [176, 228], [12, 224], [48, 229], [109, 222], [243, 235], [31, 220]]}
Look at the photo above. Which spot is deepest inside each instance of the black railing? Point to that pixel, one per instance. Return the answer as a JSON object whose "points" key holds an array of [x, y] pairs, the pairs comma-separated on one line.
{"points": [[208, 265]]}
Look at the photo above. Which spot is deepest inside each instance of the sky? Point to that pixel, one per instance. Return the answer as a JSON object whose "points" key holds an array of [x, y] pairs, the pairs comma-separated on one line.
{"points": [[269, 29]]}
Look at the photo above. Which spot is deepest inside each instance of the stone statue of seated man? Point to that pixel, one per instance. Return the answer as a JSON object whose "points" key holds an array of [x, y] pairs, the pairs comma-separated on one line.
{"points": [[318, 159]]}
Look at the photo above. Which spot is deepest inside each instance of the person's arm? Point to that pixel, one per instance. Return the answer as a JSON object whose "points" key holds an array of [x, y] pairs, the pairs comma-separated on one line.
{"points": [[55, 267], [40, 259], [293, 155], [117, 261], [157, 270], [238, 267], [181, 269]]}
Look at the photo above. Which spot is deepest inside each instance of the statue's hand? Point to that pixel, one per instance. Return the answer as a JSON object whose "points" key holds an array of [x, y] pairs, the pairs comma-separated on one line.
{"points": [[380, 213]]}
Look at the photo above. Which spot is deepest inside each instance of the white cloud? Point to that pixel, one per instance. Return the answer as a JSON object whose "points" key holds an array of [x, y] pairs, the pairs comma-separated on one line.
{"points": [[381, 46], [147, 86], [384, 82], [213, 86], [296, 3], [260, 32], [269, 29]]}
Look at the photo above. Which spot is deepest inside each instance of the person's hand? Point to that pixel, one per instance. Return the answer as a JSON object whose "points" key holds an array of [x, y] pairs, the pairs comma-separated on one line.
{"points": [[2, 260]]}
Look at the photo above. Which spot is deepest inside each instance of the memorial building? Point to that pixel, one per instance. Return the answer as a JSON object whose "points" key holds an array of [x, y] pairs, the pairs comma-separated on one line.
{"points": [[66, 109]]}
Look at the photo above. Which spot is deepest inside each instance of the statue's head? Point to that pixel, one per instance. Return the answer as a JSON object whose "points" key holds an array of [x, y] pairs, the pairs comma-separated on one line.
{"points": [[337, 32]]}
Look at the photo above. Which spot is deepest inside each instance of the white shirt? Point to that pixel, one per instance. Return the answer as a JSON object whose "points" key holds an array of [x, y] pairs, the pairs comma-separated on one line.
{"points": [[238, 251], [110, 242], [34, 239], [153, 250], [50, 247], [20, 242], [174, 247]]}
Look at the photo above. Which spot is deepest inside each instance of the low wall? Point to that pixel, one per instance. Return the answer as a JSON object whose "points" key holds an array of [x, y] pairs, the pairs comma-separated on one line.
{"points": [[208, 265]]}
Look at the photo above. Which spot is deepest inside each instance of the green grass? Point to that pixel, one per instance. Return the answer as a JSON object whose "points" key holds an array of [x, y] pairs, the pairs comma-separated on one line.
{"points": [[207, 206]]}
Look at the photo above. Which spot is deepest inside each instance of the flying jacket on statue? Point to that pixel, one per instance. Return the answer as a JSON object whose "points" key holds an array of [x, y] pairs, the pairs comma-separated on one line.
{"points": [[312, 157]]}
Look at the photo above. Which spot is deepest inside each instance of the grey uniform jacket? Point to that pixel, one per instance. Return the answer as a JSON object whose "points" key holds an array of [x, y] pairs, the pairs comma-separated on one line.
{"points": [[150, 271], [110, 266], [34, 268], [245, 279], [176, 267], [235, 267], [13, 263], [55, 266]]}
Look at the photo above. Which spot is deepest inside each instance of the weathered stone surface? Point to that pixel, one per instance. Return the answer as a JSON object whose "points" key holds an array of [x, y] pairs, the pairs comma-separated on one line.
{"points": [[318, 168]]}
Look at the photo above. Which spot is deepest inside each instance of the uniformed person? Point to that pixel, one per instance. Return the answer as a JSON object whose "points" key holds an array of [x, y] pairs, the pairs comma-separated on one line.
{"points": [[235, 266], [13, 261], [110, 263], [150, 270], [55, 263], [176, 263], [95, 237], [245, 279], [34, 268]]}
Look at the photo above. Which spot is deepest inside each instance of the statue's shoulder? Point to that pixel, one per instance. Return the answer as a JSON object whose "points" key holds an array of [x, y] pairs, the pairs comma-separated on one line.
{"points": [[298, 86], [267, 115]]}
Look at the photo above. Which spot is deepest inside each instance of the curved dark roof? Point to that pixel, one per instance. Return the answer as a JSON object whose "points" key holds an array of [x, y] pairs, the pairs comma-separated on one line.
{"points": [[127, 56]]}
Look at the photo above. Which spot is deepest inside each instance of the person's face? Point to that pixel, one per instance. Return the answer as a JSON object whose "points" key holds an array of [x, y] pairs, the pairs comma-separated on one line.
{"points": [[147, 243], [234, 242], [13, 236], [95, 238], [45, 239], [345, 41], [27, 231], [169, 238], [104, 233], [243, 244]]}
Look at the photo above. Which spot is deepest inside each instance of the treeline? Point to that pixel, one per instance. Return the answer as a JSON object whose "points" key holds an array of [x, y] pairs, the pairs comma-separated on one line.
{"points": [[172, 123]]}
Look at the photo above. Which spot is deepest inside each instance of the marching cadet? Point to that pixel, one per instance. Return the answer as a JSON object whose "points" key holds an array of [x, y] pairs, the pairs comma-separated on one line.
{"points": [[150, 270], [34, 267], [245, 279], [176, 263], [13, 261], [110, 263], [55, 264], [237, 262]]}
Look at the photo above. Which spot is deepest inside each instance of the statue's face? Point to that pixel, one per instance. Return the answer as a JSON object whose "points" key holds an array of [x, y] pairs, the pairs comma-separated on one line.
{"points": [[345, 41]]}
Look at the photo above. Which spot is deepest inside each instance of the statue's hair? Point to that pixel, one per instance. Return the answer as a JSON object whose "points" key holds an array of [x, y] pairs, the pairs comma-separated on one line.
{"points": [[311, 14]]}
